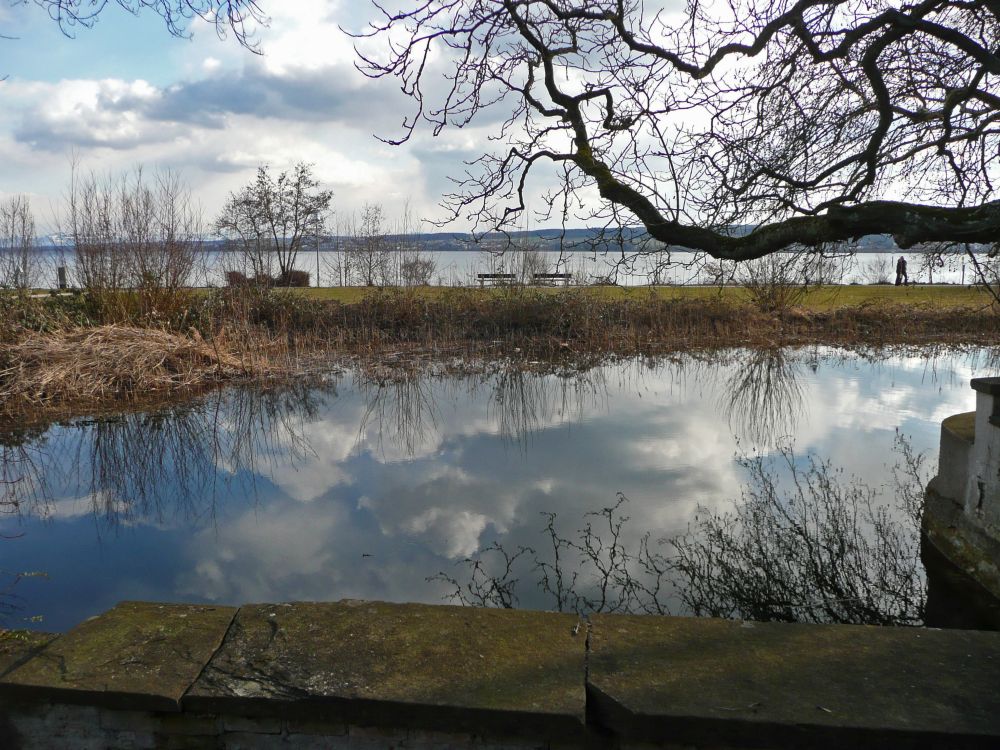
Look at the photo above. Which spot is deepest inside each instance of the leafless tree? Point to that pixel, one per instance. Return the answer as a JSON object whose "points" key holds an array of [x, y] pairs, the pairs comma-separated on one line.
{"points": [[416, 265], [17, 241], [796, 122], [238, 17], [271, 220], [369, 247], [130, 231]]}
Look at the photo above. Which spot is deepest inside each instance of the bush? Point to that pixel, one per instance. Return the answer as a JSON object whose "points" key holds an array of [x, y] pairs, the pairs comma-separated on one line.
{"points": [[236, 278], [293, 278]]}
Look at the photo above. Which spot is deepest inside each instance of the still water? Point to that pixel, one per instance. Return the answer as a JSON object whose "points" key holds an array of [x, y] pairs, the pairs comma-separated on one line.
{"points": [[460, 268], [374, 485]]}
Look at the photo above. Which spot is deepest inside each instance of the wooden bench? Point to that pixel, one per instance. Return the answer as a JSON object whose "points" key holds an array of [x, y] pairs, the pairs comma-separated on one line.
{"points": [[506, 278], [564, 277]]}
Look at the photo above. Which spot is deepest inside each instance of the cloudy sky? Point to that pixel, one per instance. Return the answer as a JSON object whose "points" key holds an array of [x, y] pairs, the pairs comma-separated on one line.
{"points": [[126, 93]]}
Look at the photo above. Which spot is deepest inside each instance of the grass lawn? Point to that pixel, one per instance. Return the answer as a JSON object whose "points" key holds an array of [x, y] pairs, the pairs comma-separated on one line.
{"points": [[821, 298]]}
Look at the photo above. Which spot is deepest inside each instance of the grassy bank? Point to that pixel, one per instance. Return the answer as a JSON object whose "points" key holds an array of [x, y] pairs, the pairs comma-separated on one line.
{"points": [[86, 349], [815, 298]]}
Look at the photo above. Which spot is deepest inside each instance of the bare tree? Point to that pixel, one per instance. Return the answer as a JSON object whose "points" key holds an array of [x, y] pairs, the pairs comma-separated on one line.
{"points": [[17, 241], [271, 219], [735, 130], [238, 17], [369, 247], [416, 266], [130, 231]]}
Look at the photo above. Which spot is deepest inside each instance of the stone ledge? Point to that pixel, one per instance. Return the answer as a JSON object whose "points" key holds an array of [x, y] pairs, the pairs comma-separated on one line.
{"points": [[411, 665], [704, 681], [373, 673], [18, 646], [138, 656]]}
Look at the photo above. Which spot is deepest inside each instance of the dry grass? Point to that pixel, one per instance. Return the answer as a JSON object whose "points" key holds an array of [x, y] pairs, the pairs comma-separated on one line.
{"points": [[65, 354], [582, 321], [116, 362]]}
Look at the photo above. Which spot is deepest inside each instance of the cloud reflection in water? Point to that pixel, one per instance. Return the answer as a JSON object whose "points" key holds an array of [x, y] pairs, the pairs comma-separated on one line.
{"points": [[363, 485]]}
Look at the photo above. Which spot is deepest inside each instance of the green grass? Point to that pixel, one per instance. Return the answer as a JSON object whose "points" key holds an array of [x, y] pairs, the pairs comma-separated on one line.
{"points": [[821, 298]]}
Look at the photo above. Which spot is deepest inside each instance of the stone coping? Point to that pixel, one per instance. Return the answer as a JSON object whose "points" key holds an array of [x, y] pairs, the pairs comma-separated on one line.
{"points": [[616, 678], [711, 682], [464, 668], [138, 655], [18, 646], [986, 385]]}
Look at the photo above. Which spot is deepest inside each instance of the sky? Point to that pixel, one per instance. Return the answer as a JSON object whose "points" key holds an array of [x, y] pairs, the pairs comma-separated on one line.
{"points": [[126, 93]]}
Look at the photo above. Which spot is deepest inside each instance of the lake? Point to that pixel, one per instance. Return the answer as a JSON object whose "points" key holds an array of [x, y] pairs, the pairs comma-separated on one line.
{"points": [[459, 268], [385, 486]]}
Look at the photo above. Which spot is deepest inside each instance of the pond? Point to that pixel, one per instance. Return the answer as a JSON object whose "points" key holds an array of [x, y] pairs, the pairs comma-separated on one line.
{"points": [[420, 483]]}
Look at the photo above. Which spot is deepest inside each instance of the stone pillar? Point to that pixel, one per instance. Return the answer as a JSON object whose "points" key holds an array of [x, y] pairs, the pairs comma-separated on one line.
{"points": [[982, 491]]}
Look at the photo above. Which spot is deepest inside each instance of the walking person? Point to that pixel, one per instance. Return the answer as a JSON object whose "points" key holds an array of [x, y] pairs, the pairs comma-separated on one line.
{"points": [[901, 277]]}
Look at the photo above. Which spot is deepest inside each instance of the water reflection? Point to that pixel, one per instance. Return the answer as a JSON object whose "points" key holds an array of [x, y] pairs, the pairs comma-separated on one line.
{"points": [[764, 397], [804, 543], [368, 482]]}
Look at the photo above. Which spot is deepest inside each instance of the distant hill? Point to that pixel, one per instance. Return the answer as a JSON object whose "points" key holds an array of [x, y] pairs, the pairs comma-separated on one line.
{"points": [[580, 239]]}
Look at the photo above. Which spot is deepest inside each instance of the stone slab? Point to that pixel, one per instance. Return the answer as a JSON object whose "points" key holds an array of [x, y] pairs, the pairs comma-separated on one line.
{"points": [[434, 667], [720, 682], [17, 646], [138, 656]]}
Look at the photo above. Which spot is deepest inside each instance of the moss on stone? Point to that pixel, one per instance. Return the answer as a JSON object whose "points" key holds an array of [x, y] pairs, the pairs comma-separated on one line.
{"points": [[137, 655], [963, 426]]}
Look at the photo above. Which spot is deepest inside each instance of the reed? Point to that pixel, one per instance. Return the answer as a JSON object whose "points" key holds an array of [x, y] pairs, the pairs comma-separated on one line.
{"points": [[113, 362]]}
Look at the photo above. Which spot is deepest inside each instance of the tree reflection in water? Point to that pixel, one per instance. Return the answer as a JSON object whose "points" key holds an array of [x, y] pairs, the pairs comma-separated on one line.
{"points": [[168, 462], [805, 543], [763, 396]]}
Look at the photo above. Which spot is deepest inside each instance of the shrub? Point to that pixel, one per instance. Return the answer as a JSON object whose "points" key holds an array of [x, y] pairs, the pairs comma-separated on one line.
{"points": [[236, 278], [293, 277]]}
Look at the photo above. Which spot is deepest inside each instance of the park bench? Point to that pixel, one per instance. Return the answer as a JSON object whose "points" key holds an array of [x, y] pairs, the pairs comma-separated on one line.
{"points": [[506, 278], [563, 277]]}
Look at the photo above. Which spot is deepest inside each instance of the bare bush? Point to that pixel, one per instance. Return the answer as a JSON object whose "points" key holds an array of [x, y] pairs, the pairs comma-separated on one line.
{"points": [[877, 269], [775, 282], [416, 266], [132, 232]]}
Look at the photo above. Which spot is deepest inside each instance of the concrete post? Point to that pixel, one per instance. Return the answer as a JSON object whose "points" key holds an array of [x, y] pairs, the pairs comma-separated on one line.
{"points": [[982, 491]]}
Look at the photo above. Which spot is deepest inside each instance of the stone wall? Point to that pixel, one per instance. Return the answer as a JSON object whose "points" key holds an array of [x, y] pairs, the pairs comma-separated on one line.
{"points": [[375, 675], [962, 508]]}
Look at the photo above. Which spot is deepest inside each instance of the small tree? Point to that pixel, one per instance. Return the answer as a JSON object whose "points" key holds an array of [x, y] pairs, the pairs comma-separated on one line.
{"points": [[17, 239], [369, 246], [416, 265], [271, 219]]}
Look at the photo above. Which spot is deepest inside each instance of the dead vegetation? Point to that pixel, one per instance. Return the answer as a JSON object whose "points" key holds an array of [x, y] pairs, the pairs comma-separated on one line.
{"points": [[78, 351], [120, 363]]}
